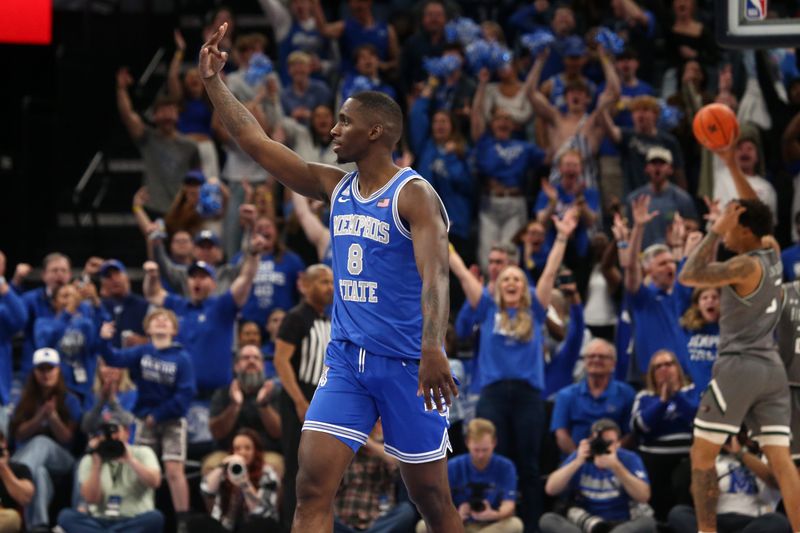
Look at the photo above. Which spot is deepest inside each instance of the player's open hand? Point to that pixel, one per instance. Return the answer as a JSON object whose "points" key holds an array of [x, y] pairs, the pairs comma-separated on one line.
{"points": [[728, 219], [436, 384], [211, 58]]}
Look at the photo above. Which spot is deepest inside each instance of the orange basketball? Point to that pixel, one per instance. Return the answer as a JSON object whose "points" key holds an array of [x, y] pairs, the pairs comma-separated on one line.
{"points": [[715, 126]]}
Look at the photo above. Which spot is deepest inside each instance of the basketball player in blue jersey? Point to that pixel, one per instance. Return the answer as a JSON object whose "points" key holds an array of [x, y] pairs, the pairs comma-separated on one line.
{"points": [[389, 243]]}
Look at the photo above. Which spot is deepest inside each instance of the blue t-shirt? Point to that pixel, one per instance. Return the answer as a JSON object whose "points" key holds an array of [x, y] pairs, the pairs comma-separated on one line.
{"points": [[576, 409], [195, 117], [791, 262], [164, 378], [13, 316], [656, 314], [354, 35], [206, 332], [580, 237], [508, 161], [503, 356], [317, 93], [500, 476], [558, 371], [128, 315], [274, 287], [702, 347], [598, 491]]}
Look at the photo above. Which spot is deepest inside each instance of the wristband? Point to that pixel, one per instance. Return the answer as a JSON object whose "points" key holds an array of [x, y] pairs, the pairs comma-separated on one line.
{"points": [[622, 245], [3, 281], [137, 209], [561, 238]]}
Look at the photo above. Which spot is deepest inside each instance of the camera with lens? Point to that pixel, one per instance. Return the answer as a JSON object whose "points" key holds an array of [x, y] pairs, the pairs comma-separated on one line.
{"points": [[598, 446], [109, 448], [236, 470], [477, 493], [586, 522]]}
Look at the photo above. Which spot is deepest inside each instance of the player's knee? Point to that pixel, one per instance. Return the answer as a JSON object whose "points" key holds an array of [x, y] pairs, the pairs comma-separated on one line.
{"points": [[311, 488]]}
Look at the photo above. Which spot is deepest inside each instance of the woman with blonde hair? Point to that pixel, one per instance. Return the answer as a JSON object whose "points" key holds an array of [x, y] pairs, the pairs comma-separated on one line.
{"points": [[511, 363], [700, 322], [662, 418]]}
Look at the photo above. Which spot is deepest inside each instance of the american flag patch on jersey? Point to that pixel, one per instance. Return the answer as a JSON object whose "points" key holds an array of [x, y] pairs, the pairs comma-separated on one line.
{"points": [[383, 203]]}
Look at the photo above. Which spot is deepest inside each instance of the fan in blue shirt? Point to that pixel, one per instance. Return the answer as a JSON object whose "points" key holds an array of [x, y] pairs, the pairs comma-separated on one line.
{"points": [[604, 481], [441, 158], [484, 484], [597, 396], [207, 322], [304, 93], [13, 316], [657, 307], [701, 327], [511, 366]]}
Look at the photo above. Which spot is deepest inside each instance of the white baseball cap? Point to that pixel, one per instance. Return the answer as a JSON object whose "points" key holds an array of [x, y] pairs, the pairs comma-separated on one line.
{"points": [[46, 356]]}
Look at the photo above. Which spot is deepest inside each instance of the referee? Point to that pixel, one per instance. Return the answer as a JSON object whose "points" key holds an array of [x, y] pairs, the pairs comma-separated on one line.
{"points": [[299, 360]]}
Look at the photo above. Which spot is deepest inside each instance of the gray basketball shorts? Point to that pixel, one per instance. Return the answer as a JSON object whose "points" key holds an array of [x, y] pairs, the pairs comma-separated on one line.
{"points": [[750, 390], [795, 448], [167, 438]]}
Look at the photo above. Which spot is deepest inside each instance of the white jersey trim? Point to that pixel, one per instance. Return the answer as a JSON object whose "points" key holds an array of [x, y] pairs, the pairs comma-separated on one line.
{"points": [[424, 457], [337, 431], [376, 194], [398, 221]]}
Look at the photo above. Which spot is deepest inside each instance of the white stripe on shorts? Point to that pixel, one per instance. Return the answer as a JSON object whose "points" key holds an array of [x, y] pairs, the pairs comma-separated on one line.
{"points": [[335, 430], [723, 405], [715, 426], [424, 457]]}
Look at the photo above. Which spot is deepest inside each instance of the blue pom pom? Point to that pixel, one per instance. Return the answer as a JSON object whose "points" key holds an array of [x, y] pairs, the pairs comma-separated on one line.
{"points": [[210, 203], [537, 41], [441, 67], [483, 54], [669, 116], [463, 30], [610, 41], [257, 69]]}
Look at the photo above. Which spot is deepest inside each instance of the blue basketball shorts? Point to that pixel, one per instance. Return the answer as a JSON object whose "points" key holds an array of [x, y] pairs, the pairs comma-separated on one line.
{"points": [[357, 387]]}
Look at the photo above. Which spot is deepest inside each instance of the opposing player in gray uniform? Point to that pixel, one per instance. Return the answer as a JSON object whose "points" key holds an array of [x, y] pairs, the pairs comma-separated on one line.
{"points": [[749, 381], [789, 347]]}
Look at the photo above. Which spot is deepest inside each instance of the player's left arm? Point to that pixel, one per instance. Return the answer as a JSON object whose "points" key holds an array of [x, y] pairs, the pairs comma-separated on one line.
{"points": [[419, 206]]}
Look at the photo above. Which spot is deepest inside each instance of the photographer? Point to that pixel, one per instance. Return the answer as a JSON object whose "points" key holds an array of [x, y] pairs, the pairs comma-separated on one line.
{"points": [[243, 490], [16, 490], [118, 482], [604, 480], [483, 484]]}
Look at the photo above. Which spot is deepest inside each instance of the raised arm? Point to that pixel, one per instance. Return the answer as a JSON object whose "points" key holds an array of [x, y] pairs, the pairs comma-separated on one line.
{"points": [[151, 286], [331, 30], [469, 283], [701, 270], [174, 86], [607, 123], [240, 288], [743, 188], [419, 205], [477, 119], [641, 217], [564, 228], [610, 95], [316, 232], [130, 118], [541, 105], [310, 179]]}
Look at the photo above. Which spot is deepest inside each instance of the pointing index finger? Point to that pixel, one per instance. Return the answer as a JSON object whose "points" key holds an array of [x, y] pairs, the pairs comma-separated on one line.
{"points": [[217, 36]]}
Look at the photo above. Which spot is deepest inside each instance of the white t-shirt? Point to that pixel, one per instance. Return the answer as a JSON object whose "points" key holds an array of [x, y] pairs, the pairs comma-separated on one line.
{"points": [[600, 309], [740, 491], [725, 190], [518, 105]]}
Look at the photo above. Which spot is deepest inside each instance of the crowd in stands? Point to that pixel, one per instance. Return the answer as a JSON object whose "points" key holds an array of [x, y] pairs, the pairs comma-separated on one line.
{"points": [[575, 189]]}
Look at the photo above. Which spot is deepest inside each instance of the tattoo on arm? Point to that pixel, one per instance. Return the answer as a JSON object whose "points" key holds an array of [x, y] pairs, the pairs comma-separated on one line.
{"points": [[700, 267], [435, 304], [230, 110], [705, 493]]}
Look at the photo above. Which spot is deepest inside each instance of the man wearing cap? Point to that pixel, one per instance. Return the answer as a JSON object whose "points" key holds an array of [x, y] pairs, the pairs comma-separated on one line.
{"points": [[634, 143], [207, 320], [207, 249], [125, 308], [120, 492], [603, 480], [666, 198]]}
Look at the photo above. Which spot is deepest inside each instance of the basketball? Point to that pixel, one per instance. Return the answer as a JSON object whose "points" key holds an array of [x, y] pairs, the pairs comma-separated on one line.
{"points": [[715, 126]]}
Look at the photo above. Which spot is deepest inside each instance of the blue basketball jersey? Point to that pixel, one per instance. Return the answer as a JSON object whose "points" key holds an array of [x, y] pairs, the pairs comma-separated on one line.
{"points": [[377, 286]]}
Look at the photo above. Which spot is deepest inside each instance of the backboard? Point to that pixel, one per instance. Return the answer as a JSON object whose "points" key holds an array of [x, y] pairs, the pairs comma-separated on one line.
{"points": [[757, 23]]}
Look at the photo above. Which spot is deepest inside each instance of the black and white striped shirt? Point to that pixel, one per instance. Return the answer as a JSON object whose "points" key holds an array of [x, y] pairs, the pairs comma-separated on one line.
{"points": [[309, 332]]}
